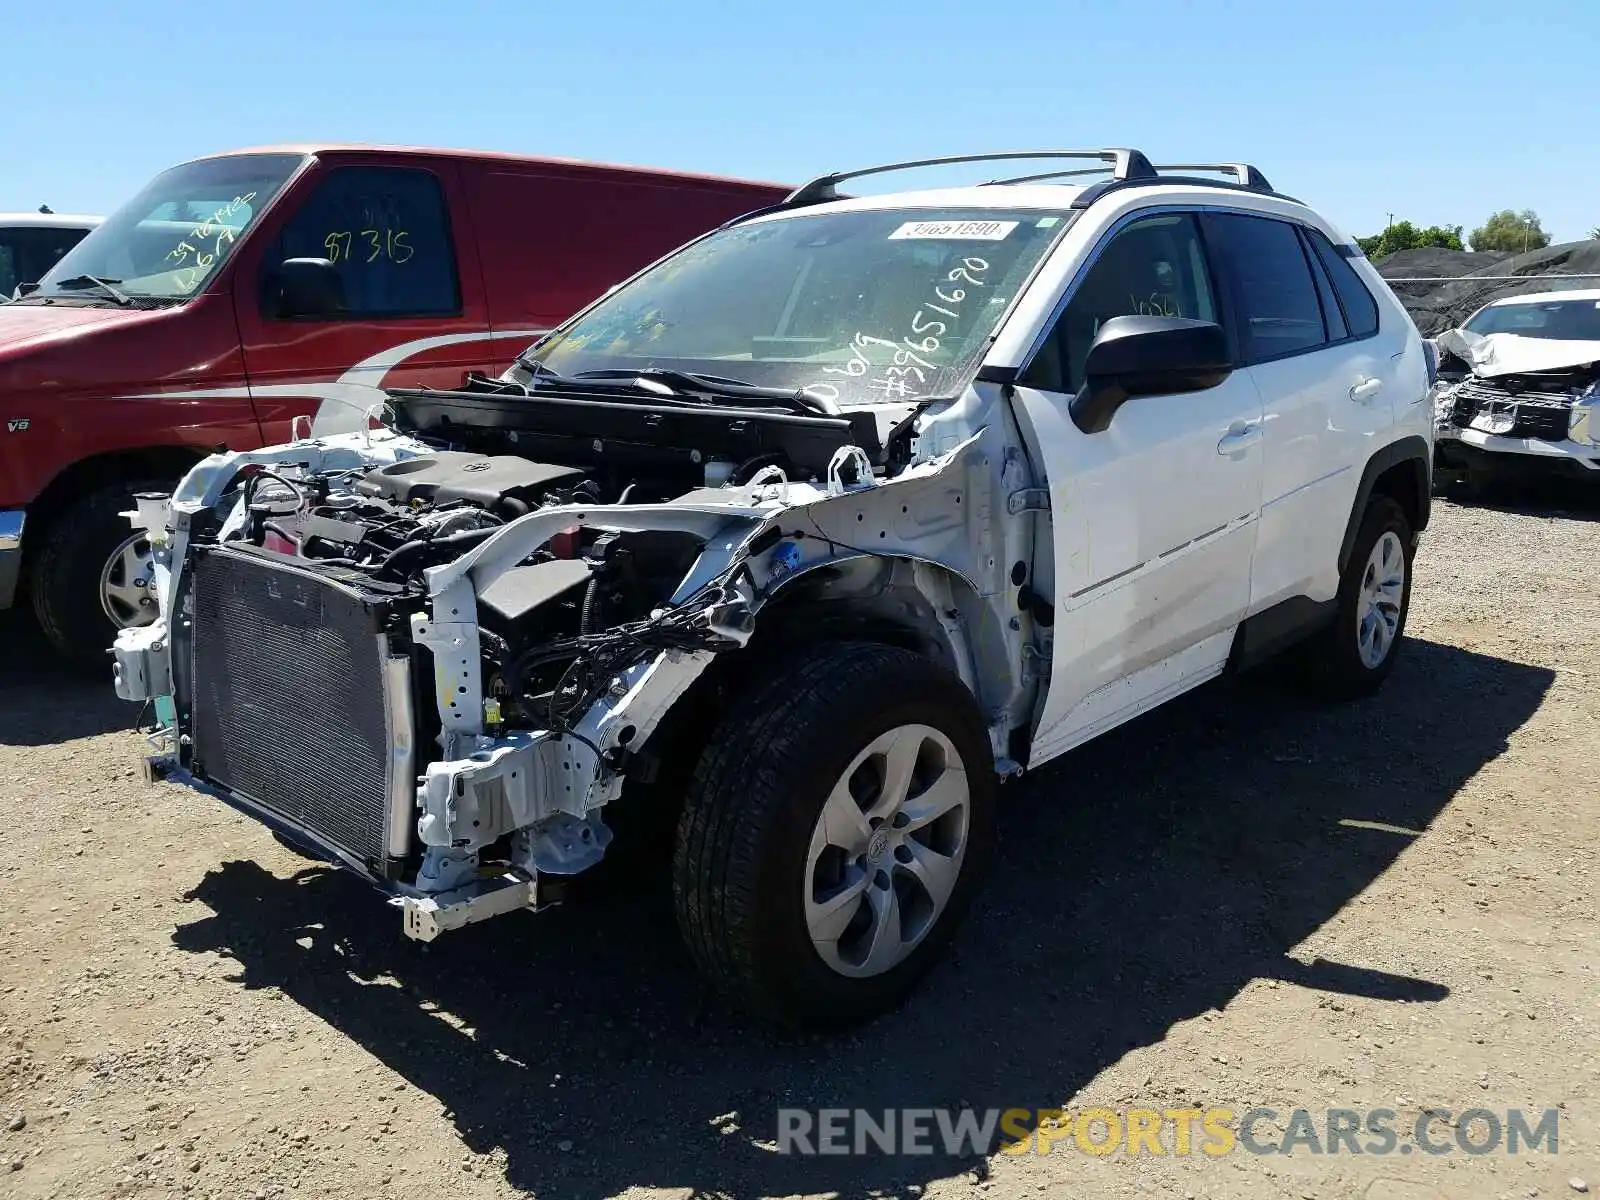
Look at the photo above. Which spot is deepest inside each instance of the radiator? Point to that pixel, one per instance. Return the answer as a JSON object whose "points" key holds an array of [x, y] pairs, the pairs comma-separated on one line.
{"points": [[297, 704]]}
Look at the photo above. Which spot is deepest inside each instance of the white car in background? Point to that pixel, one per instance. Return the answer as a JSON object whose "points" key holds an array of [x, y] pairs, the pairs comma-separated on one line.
{"points": [[32, 243], [1519, 386]]}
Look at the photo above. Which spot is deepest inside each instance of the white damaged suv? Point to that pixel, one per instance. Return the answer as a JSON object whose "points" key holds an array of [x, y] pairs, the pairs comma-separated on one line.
{"points": [[1520, 387], [794, 546]]}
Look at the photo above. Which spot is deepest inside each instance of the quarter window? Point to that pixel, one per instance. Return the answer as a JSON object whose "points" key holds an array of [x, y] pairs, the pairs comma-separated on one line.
{"points": [[387, 232], [1155, 266], [1276, 297]]}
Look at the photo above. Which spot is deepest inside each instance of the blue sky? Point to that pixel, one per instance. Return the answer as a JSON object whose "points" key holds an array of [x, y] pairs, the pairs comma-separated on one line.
{"points": [[1362, 108]]}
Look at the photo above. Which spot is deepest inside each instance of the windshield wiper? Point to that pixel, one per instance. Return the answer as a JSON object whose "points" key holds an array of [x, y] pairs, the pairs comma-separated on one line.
{"points": [[108, 286], [797, 402]]}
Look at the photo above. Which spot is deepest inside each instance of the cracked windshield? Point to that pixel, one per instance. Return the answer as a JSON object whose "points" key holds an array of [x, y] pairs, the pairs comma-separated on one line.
{"points": [[855, 308]]}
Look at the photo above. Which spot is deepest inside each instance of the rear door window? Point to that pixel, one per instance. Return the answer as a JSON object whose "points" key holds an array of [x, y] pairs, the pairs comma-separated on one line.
{"points": [[1275, 295], [387, 232], [1332, 310], [1360, 309]]}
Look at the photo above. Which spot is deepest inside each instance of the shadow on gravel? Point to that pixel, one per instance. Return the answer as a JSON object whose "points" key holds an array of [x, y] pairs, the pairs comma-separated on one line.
{"points": [[1566, 499], [43, 701], [1144, 880]]}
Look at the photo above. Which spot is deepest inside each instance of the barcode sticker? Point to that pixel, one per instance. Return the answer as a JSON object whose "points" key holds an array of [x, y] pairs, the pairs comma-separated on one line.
{"points": [[955, 231]]}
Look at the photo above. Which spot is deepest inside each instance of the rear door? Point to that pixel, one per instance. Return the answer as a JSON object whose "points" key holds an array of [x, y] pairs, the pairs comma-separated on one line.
{"points": [[413, 310], [1323, 393], [1153, 519]]}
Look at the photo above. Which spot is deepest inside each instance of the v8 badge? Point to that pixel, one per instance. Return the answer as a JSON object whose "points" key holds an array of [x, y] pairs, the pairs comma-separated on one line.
{"points": [[17, 425]]}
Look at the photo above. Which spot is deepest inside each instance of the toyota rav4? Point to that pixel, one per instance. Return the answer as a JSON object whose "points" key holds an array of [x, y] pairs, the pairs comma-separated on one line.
{"points": [[796, 545]]}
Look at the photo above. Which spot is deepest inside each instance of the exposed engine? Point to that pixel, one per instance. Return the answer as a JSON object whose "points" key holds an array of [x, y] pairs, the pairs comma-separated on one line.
{"points": [[436, 651], [554, 628]]}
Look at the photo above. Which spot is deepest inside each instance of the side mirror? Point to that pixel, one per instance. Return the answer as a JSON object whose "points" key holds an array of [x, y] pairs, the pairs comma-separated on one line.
{"points": [[1147, 356], [24, 289], [306, 287]]}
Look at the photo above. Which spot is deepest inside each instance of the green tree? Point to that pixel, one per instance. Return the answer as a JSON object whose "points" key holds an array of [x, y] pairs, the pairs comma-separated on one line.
{"points": [[1403, 235], [1511, 231], [1594, 234]]}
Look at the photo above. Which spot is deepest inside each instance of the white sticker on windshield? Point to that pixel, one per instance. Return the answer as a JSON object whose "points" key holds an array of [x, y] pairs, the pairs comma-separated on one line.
{"points": [[955, 231]]}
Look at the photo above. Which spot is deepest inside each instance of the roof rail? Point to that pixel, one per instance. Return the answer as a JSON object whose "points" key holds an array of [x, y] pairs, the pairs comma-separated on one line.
{"points": [[1124, 164], [1245, 179], [1243, 173], [1073, 174]]}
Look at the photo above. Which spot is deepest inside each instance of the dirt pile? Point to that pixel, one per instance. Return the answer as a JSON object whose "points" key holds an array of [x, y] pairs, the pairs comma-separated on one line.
{"points": [[1436, 307]]}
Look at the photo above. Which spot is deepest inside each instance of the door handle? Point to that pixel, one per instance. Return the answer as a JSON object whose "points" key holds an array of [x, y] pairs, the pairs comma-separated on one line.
{"points": [[1241, 436], [1365, 390]]}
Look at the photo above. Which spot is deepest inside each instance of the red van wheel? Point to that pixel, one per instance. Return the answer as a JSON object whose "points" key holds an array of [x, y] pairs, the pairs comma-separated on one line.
{"points": [[92, 576]]}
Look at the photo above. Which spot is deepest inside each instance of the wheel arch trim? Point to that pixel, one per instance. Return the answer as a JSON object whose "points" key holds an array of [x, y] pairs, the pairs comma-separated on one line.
{"points": [[1412, 449]]}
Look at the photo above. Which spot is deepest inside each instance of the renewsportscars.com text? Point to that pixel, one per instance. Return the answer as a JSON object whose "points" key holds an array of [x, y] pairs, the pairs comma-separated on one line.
{"points": [[1174, 1131]]}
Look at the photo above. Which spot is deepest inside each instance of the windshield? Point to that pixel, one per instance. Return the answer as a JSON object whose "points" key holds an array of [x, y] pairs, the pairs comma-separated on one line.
{"points": [[857, 307], [1559, 320], [170, 239]]}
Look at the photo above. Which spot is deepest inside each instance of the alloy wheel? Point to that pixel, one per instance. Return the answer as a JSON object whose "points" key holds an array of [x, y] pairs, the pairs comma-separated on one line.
{"points": [[887, 850]]}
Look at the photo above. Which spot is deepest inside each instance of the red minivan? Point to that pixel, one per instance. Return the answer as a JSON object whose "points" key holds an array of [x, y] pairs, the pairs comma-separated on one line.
{"points": [[238, 292]]}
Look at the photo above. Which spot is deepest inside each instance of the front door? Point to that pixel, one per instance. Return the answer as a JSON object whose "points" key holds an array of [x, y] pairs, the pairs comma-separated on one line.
{"points": [[1153, 520], [411, 315]]}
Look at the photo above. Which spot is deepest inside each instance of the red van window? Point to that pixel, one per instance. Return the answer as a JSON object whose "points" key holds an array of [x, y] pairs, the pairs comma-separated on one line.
{"points": [[387, 232]]}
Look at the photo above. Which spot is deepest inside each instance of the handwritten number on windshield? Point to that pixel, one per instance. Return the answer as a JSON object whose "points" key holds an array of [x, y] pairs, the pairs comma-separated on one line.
{"points": [[189, 261], [910, 370], [963, 272]]}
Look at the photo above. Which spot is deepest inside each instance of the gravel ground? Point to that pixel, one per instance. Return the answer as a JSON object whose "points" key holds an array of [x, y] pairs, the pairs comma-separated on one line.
{"points": [[1242, 900]]}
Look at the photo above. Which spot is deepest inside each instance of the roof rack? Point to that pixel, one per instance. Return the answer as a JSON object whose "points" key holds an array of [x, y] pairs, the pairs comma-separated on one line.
{"points": [[1124, 164], [1245, 179], [1126, 167], [1243, 173]]}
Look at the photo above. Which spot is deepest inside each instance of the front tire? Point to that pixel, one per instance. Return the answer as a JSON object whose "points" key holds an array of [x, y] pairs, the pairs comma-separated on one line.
{"points": [[92, 576], [833, 835]]}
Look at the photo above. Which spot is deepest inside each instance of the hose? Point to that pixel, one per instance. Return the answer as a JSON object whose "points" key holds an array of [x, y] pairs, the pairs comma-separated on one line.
{"points": [[406, 555], [268, 473], [591, 607]]}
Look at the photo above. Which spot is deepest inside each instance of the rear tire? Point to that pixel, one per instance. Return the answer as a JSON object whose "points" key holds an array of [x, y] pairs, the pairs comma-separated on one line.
{"points": [[773, 905], [69, 582], [1354, 654]]}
